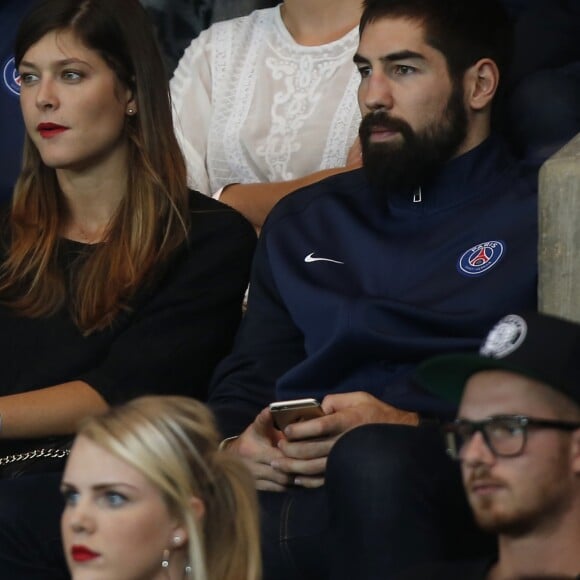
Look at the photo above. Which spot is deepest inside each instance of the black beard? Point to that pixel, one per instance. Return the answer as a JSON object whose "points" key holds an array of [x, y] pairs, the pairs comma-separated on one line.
{"points": [[412, 162]]}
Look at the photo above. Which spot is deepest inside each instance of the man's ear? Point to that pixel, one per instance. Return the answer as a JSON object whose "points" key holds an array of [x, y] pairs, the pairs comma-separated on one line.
{"points": [[481, 81]]}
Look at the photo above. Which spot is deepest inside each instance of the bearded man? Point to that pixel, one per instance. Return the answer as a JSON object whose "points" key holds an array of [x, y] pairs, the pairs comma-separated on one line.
{"points": [[361, 277]]}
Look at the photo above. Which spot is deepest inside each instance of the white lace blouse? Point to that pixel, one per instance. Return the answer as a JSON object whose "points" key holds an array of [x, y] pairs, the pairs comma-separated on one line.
{"points": [[251, 105]]}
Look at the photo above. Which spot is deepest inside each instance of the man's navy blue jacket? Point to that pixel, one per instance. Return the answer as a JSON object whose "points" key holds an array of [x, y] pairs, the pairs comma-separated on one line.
{"points": [[352, 288]]}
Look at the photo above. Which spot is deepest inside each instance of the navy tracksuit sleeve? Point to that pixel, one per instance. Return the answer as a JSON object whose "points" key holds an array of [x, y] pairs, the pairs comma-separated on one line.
{"points": [[267, 345]]}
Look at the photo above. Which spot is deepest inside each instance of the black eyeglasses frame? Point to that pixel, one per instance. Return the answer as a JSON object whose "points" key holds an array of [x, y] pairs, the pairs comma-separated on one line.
{"points": [[522, 421]]}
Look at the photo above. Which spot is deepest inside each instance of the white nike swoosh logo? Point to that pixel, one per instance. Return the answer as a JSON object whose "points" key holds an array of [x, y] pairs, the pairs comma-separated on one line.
{"points": [[311, 258]]}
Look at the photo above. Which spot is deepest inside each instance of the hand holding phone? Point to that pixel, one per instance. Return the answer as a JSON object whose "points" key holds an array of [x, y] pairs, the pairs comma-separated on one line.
{"points": [[286, 412]]}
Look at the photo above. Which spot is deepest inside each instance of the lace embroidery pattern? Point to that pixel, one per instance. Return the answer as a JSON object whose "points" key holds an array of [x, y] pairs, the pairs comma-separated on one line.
{"points": [[238, 87], [279, 110], [344, 127], [292, 107]]}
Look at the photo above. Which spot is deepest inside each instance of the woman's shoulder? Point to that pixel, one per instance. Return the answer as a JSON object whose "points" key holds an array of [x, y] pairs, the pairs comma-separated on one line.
{"points": [[201, 204], [210, 215], [217, 235]]}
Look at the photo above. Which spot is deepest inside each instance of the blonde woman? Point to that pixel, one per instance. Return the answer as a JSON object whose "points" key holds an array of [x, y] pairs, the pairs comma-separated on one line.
{"points": [[149, 496]]}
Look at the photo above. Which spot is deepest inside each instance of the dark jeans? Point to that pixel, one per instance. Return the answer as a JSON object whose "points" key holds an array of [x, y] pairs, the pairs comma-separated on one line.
{"points": [[392, 499], [30, 544]]}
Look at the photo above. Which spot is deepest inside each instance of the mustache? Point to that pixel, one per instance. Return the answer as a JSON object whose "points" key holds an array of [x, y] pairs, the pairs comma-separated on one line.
{"points": [[382, 120], [480, 474]]}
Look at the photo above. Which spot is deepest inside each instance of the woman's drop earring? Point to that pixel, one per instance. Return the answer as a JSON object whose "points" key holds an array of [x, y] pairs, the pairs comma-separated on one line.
{"points": [[165, 559]]}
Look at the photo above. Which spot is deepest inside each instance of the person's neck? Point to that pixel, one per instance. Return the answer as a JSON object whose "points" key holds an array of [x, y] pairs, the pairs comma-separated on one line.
{"points": [[477, 132], [91, 200], [318, 22], [551, 552]]}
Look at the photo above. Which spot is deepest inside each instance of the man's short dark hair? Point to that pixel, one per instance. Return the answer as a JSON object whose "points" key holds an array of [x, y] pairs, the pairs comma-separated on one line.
{"points": [[465, 31]]}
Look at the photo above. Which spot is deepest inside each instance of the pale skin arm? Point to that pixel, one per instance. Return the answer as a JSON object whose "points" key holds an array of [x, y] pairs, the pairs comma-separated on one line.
{"points": [[299, 454], [54, 410], [255, 200], [258, 448]]}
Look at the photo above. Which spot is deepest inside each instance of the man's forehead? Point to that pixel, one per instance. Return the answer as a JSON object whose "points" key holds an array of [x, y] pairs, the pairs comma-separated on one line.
{"points": [[495, 392], [396, 22], [385, 36]]}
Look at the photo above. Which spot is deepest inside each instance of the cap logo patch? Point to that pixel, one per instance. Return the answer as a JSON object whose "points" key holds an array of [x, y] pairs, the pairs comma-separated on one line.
{"points": [[481, 258], [505, 337], [11, 77]]}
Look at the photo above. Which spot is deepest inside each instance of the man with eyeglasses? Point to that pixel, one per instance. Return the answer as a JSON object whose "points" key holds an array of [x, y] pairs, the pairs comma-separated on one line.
{"points": [[517, 437]]}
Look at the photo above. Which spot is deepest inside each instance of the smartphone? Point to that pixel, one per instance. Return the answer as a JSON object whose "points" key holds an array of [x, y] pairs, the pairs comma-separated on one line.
{"points": [[286, 412]]}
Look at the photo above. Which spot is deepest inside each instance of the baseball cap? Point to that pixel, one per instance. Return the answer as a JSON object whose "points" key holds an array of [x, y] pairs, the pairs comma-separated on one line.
{"points": [[541, 347]]}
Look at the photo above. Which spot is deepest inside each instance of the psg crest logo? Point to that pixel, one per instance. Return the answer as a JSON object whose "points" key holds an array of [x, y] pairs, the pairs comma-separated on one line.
{"points": [[11, 77], [481, 258]]}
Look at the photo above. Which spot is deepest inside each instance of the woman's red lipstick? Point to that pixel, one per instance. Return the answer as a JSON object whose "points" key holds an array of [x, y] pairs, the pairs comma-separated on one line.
{"points": [[82, 554], [49, 130]]}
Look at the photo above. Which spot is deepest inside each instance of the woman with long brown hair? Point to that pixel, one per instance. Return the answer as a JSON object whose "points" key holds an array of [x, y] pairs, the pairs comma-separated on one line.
{"points": [[115, 280]]}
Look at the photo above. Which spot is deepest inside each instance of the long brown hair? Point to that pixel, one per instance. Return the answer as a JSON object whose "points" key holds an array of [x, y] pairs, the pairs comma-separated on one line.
{"points": [[173, 441], [152, 218]]}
